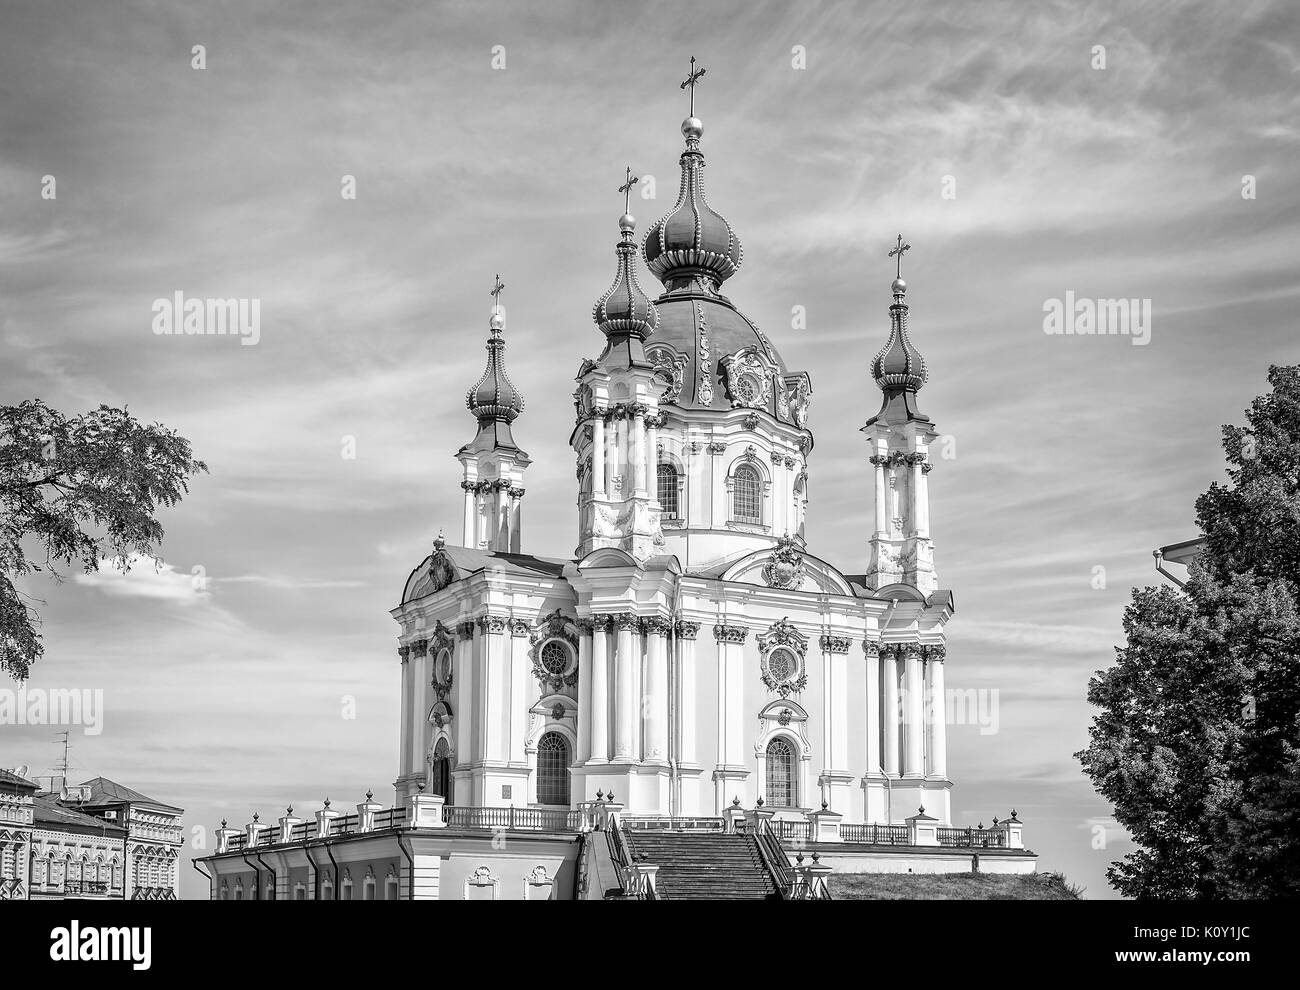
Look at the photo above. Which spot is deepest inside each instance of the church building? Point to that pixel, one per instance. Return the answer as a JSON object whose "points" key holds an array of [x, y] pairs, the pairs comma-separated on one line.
{"points": [[694, 663]]}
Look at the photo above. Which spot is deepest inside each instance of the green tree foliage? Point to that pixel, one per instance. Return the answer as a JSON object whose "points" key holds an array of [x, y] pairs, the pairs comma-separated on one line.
{"points": [[75, 491], [1197, 742]]}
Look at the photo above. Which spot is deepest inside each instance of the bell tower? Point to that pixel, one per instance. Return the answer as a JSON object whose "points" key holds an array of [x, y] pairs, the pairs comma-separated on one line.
{"points": [[617, 400], [899, 437], [493, 464]]}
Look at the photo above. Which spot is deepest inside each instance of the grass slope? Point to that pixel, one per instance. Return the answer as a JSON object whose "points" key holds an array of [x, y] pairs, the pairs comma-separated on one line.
{"points": [[951, 887]]}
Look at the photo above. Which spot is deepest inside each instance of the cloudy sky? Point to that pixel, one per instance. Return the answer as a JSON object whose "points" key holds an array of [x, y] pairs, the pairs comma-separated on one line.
{"points": [[1073, 453]]}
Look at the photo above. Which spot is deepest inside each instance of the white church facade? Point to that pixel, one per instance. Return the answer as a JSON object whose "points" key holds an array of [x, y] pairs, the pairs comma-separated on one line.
{"points": [[694, 664]]}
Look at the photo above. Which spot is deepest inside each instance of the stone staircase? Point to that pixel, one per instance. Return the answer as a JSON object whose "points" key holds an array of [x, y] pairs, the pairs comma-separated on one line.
{"points": [[704, 866]]}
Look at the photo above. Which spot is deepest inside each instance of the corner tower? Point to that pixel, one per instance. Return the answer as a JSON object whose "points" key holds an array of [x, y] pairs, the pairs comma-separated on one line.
{"points": [[493, 463], [899, 437]]}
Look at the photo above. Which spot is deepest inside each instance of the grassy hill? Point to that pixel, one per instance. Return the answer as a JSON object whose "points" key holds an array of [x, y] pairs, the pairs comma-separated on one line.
{"points": [[951, 887]]}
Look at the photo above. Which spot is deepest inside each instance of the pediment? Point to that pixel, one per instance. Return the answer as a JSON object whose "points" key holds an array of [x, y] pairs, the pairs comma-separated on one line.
{"points": [[788, 567]]}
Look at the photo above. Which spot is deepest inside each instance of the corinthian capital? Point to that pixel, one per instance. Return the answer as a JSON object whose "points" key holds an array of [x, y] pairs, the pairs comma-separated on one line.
{"points": [[835, 644], [730, 634]]}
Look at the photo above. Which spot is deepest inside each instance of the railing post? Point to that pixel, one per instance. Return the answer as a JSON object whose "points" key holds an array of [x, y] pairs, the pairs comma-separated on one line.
{"points": [[826, 825], [1012, 832], [922, 829], [425, 810], [510, 821], [366, 813]]}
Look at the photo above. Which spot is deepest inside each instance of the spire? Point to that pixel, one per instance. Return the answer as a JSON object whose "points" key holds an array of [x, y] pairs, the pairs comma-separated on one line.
{"points": [[898, 367], [624, 313], [494, 400], [692, 245]]}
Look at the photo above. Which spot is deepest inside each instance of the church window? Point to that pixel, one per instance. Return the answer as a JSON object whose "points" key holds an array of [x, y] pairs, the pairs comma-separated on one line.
{"points": [[553, 769], [555, 658], [781, 665], [780, 774], [668, 502], [747, 390], [746, 502], [440, 771]]}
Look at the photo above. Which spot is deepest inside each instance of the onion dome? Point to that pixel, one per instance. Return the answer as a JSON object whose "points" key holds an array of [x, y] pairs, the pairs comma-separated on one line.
{"points": [[692, 241], [624, 310], [494, 400], [898, 367], [494, 397]]}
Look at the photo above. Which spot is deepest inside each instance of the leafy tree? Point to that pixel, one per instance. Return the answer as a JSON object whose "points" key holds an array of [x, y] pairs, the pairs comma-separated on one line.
{"points": [[1197, 742], [75, 491]]}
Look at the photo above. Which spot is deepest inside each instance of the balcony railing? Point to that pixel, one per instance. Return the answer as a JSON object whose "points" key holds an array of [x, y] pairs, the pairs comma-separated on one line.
{"points": [[787, 829], [514, 819], [975, 838], [665, 823], [876, 835]]}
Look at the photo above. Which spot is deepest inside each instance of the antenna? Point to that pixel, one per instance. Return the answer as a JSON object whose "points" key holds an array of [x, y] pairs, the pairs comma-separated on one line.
{"points": [[63, 766]]}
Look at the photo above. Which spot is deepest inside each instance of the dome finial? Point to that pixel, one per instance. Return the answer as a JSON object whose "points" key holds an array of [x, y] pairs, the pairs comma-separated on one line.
{"points": [[899, 286], [497, 321], [627, 222]]}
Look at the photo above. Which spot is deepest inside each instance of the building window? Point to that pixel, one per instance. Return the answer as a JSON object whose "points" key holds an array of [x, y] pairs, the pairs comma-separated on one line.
{"points": [[780, 774], [390, 889], [668, 501], [555, 658], [440, 771], [553, 769], [746, 495]]}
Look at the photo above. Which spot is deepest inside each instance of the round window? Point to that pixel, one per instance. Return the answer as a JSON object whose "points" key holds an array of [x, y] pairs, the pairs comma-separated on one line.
{"points": [[555, 658], [781, 665], [747, 389]]}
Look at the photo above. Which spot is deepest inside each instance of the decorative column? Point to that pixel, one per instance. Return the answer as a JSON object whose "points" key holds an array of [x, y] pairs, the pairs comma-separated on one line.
{"points": [[404, 763], [731, 645], [585, 627], [420, 704], [920, 498], [463, 675], [914, 712], [836, 776], [494, 728], [890, 714], [598, 454], [872, 651], [652, 455], [879, 461], [470, 488], [938, 714], [599, 690], [522, 691], [626, 720], [638, 449], [516, 519], [656, 686], [686, 633], [483, 514]]}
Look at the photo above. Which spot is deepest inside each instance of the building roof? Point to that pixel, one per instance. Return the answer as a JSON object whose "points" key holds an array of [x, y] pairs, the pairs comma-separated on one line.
{"points": [[9, 779], [449, 564], [105, 792], [47, 812]]}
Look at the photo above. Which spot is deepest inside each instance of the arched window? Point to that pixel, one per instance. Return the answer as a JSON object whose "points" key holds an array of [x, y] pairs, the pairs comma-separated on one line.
{"points": [[780, 774], [390, 889], [553, 769], [667, 477], [746, 495], [440, 771]]}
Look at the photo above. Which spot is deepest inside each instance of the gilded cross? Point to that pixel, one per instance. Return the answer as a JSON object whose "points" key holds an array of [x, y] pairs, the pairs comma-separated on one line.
{"points": [[496, 291], [626, 189], [898, 253], [691, 80]]}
